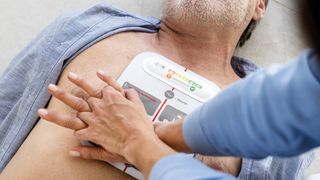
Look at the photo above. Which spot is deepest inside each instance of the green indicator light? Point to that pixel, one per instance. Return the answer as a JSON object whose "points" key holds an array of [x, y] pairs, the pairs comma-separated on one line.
{"points": [[192, 88]]}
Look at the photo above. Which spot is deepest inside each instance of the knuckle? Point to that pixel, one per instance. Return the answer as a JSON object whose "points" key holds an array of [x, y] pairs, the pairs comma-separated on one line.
{"points": [[96, 93], [75, 91], [91, 100], [80, 106], [81, 94], [93, 104], [94, 107]]}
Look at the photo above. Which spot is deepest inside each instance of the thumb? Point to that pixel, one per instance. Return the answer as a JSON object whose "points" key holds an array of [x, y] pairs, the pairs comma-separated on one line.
{"points": [[95, 153]]}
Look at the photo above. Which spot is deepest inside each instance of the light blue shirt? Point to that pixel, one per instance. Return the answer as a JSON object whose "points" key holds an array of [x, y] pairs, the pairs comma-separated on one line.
{"points": [[275, 111]]}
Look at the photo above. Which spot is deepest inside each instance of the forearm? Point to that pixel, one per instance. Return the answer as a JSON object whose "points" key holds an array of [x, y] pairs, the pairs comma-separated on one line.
{"points": [[146, 152], [262, 115], [171, 134], [156, 160]]}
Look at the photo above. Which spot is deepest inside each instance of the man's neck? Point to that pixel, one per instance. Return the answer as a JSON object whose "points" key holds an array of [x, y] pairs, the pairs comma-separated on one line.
{"points": [[208, 54]]}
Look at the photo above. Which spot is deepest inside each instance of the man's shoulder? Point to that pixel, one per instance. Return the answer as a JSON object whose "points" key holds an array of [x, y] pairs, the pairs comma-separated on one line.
{"points": [[101, 13], [76, 30]]}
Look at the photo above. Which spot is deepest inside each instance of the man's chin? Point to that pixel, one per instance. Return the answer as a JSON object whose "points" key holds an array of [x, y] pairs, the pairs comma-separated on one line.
{"points": [[214, 13]]}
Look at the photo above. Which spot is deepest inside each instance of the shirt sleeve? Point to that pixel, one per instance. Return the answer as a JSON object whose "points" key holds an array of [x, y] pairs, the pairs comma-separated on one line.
{"points": [[271, 112], [182, 166]]}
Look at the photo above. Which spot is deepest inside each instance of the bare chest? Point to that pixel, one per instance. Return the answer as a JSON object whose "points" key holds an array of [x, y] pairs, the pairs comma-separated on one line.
{"points": [[111, 55]]}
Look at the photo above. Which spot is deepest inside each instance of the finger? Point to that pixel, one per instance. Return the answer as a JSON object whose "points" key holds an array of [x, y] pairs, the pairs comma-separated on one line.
{"points": [[86, 117], [111, 82], [110, 95], [85, 85], [96, 104], [74, 102], [80, 94], [84, 135], [96, 153], [133, 96], [67, 121]]}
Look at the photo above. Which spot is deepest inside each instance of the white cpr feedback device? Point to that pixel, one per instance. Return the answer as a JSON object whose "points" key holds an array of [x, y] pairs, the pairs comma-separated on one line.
{"points": [[168, 91]]}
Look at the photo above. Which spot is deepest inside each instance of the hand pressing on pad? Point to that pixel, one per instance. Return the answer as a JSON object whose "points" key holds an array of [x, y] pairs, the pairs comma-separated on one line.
{"points": [[169, 133], [117, 121], [78, 102]]}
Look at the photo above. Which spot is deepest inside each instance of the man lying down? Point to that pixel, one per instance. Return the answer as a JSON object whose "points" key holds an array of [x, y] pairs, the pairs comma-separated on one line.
{"points": [[199, 35]]}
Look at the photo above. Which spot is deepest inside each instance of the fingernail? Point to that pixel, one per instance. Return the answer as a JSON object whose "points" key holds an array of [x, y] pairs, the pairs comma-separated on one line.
{"points": [[43, 112], [74, 153], [53, 87], [101, 72], [73, 75]]}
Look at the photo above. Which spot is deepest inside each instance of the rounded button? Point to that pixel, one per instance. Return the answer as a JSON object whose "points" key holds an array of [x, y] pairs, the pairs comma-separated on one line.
{"points": [[169, 94]]}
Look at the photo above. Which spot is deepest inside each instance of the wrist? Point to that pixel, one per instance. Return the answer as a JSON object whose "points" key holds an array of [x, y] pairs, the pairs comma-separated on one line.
{"points": [[172, 135], [146, 151]]}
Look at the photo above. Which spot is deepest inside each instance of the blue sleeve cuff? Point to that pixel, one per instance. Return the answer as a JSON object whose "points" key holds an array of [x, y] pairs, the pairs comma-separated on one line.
{"points": [[182, 166], [194, 134]]}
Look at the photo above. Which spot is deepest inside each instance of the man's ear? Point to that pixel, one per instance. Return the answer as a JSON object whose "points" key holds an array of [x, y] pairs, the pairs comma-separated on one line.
{"points": [[260, 10]]}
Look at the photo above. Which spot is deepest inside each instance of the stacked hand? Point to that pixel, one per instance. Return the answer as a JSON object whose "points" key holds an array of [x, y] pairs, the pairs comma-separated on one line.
{"points": [[113, 118], [116, 121]]}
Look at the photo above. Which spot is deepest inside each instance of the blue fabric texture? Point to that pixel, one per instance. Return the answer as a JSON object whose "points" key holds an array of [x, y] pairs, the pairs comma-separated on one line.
{"points": [[182, 166], [23, 86], [314, 64], [285, 116]]}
